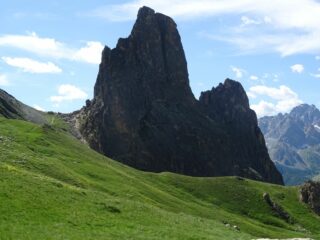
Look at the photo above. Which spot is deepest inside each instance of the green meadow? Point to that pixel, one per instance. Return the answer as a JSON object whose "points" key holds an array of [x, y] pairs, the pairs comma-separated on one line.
{"points": [[52, 186]]}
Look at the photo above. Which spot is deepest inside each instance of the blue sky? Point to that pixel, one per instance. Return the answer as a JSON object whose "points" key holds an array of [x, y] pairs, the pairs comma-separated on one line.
{"points": [[50, 50]]}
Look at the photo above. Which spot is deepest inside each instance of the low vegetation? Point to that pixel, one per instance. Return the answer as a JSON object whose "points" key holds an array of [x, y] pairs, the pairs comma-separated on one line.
{"points": [[54, 187]]}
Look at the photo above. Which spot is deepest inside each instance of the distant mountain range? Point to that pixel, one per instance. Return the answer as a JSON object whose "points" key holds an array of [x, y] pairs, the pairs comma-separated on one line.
{"points": [[293, 140]]}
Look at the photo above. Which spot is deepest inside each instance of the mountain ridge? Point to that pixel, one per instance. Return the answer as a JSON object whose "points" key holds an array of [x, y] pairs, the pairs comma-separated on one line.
{"points": [[12, 108], [293, 140]]}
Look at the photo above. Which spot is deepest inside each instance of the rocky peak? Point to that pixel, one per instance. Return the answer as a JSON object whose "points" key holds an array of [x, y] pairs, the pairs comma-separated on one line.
{"points": [[297, 128], [144, 113], [151, 56], [144, 12], [307, 114], [230, 93], [228, 102], [293, 140], [147, 17]]}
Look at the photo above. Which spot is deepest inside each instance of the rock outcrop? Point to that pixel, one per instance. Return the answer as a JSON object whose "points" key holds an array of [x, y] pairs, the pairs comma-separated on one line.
{"points": [[144, 113], [310, 194], [277, 209]]}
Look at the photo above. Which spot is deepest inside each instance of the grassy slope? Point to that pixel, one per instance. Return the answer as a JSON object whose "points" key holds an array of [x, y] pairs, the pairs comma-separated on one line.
{"points": [[54, 187]]}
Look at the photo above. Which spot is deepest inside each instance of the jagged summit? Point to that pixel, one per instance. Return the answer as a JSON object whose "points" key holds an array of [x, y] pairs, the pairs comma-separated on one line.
{"points": [[230, 94], [309, 114], [151, 55], [144, 113], [148, 17], [145, 12]]}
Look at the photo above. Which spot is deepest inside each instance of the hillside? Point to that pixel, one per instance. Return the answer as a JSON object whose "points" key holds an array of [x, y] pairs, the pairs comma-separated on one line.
{"points": [[10, 107], [293, 140], [54, 187]]}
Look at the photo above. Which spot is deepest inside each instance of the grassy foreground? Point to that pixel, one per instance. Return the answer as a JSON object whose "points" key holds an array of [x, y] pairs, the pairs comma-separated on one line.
{"points": [[54, 187]]}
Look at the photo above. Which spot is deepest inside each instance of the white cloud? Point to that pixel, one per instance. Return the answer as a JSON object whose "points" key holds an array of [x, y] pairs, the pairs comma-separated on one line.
{"points": [[317, 57], [4, 80], [253, 77], [199, 8], [32, 66], [297, 68], [238, 71], [316, 75], [90, 53], [281, 93], [186, 9], [285, 43], [33, 43], [267, 19], [38, 108], [248, 21], [264, 108], [49, 47], [67, 92], [285, 99], [251, 95], [290, 26]]}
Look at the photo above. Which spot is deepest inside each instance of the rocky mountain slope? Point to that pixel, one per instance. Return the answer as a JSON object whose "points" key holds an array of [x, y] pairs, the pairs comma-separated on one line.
{"points": [[12, 108], [293, 140], [144, 114]]}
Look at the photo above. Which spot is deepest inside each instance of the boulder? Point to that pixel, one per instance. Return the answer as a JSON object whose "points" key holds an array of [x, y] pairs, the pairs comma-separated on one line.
{"points": [[310, 194]]}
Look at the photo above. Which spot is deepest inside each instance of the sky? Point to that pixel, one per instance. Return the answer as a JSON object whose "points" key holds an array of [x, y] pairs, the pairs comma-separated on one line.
{"points": [[50, 50]]}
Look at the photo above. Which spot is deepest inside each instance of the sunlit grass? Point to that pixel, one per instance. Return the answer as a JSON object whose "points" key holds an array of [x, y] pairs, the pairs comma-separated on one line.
{"points": [[54, 187]]}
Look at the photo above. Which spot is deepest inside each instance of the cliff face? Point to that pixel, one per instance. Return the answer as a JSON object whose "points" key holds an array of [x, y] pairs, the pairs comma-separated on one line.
{"points": [[145, 115], [228, 105]]}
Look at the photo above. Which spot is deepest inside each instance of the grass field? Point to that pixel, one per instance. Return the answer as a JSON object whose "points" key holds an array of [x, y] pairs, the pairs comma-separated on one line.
{"points": [[54, 187]]}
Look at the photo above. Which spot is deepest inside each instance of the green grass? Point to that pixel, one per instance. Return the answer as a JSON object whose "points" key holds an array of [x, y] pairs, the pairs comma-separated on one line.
{"points": [[54, 187]]}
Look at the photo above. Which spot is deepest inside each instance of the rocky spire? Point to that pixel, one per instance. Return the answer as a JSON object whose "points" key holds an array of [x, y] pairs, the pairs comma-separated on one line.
{"points": [[144, 113], [151, 56]]}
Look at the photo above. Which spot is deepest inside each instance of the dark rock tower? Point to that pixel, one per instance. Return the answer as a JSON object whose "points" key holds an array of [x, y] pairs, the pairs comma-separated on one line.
{"points": [[145, 115]]}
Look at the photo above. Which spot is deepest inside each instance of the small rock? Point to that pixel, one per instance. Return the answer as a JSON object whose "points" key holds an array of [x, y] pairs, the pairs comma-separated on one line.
{"points": [[236, 228]]}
